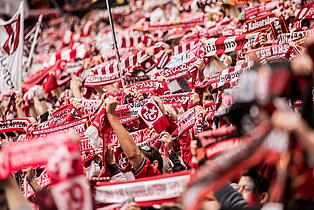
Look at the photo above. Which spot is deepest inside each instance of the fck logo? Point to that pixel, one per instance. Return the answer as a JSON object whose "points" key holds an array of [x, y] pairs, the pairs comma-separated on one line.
{"points": [[150, 112], [13, 30]]}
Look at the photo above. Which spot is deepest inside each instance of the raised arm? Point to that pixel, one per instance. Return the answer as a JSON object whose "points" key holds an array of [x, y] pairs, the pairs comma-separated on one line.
{"points": [[127, 144]]}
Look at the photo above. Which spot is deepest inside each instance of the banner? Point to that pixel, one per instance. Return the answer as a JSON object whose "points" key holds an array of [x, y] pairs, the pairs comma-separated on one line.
{"points": [[11, 52], [150, 190]]}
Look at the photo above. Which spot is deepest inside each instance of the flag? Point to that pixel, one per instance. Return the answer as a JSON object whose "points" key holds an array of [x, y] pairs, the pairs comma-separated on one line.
{"points": [[151, 114], [11, 52]]}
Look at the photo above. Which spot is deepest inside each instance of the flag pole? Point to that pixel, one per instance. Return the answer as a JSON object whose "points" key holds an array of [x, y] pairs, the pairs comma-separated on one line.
{"points": [[115, 43], [29, 60]]}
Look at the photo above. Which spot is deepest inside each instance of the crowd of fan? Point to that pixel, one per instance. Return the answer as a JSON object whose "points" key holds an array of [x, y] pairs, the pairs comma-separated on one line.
{"points": [[72, 52]]}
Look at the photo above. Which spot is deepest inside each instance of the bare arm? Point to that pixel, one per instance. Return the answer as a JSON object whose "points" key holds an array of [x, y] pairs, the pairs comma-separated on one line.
{"points": [[130, 149], [293, 122], [14, 197]]}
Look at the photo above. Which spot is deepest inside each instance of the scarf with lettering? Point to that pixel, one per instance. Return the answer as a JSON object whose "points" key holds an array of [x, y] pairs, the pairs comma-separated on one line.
{"points": [[258, 24], [296, 36], [186, 121], [145, 191], [64, 114], [15, 124], [20, 155], [150, 86], [217, 148], [78, 126], [222, 45], [273, 53], [179, 71], [210, 110], [43, 180], [176, 100]]}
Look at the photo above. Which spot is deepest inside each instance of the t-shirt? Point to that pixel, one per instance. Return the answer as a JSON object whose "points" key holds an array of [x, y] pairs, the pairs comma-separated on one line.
{"points": [[145, 170]]}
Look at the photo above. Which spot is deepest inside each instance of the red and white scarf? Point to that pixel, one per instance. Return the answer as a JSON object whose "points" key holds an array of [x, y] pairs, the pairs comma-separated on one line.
{"points": [[100, 80], [258, 24], [150, 86], [176, 100], [78, 126], [222, 45], [146, 191], [219, 147], [179, 71], [259, 9], [186, 121], [15, 124], [306, 12], [296, 36], [19, 155], [275, 52]]}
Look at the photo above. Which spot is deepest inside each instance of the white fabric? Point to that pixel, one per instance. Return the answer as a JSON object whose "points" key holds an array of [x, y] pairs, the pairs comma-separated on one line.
{"points": [[92, 133], [11, 52]]}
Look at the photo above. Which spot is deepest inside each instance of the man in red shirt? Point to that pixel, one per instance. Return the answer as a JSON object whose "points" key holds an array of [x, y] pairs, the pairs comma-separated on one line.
{"points": [[146, 161]]}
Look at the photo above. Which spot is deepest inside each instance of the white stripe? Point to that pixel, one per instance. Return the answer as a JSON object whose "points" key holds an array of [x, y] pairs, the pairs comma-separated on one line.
{"points": [[65, 55]]}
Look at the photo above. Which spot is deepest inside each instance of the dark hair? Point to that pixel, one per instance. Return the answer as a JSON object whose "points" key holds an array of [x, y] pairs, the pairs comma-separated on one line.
{"points": [[153, 154], [261, 183]]}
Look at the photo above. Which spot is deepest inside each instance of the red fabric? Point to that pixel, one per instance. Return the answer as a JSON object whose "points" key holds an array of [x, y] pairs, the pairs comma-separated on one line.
{"points": [[185, 149], [50, 83], [147, 170]]}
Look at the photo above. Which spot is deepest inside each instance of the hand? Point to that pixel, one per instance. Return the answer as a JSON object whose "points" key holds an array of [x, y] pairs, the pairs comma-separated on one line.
{"points": [[150, 51], [262, 39], [30, 174], [77, 105], [199, 63], [33, 121], [193, 147], [160, 104], [166, 138], [286, 120], [110, 155], [200, 110], [302, 65], [153, 134], [19, 100], [75, 82], [133, 206], [111, 104], [138, 95], [195, 98]]}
